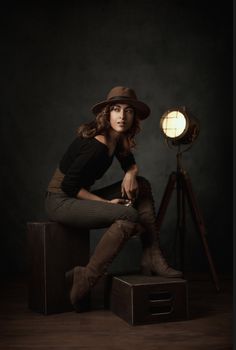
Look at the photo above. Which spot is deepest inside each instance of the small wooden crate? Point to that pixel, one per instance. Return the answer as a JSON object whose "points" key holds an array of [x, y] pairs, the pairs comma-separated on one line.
{"points": [[142, 299], [53, 249]]}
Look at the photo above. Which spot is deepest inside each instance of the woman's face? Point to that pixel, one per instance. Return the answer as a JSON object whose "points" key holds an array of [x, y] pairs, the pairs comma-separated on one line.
{"points": [[121, 117]]}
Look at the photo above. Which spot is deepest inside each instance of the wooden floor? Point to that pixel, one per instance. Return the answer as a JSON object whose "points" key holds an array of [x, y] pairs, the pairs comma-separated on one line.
{"points": [[208, 327]]}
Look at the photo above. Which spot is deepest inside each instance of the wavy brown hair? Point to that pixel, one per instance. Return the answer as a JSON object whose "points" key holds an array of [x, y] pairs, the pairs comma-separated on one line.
{"points": [[101, 126]]}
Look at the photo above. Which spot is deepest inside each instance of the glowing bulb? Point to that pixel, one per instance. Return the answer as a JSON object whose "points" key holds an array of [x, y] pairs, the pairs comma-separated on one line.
{"points": [[173, 124]]}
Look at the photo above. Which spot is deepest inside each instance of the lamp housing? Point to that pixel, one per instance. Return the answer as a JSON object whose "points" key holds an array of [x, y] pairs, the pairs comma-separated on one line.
{"points": [[179, 126]]}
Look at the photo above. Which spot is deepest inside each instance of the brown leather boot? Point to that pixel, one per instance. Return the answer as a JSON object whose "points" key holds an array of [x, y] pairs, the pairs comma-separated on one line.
{"points": [[153, 261], [81, 279]]}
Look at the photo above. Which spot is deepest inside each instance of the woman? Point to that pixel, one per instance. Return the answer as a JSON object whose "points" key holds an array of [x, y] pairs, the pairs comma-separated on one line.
{"points": [[126, 207]]}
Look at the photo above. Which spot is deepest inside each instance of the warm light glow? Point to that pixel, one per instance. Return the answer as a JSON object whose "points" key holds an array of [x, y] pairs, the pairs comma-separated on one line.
{"points": [[173, 124]]}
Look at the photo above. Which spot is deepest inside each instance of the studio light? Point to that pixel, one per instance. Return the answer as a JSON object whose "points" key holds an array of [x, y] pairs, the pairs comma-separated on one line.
{"points": [[179, 126]]}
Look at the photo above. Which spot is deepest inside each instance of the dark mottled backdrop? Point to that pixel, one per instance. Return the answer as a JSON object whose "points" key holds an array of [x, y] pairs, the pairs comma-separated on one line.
{"points": [[60, 58]]}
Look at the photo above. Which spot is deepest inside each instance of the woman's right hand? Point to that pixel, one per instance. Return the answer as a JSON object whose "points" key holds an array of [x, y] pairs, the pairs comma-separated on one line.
{"points": [[126, 202]]}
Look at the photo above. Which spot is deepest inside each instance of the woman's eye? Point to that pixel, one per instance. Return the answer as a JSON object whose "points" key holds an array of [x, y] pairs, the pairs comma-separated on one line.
{"points": [[116, 109]]}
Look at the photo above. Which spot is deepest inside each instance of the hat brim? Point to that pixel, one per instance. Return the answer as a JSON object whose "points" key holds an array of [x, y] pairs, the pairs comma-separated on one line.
{"points": [[141, 108]]}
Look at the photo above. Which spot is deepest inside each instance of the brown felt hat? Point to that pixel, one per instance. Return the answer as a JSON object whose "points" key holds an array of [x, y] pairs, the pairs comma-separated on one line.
{"points": [[120, 94]]}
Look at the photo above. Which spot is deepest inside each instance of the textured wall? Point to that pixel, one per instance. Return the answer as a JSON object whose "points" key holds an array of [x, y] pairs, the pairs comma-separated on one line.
{"points": [[58, 60]]}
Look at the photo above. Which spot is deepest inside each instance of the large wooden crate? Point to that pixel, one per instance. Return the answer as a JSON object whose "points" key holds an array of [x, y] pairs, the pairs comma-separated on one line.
{"points": [[53, 249], [142, 299]]}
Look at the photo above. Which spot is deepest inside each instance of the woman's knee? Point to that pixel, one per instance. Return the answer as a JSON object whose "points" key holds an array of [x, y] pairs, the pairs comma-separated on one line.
{"points": [[129, 214], [128, 228]]}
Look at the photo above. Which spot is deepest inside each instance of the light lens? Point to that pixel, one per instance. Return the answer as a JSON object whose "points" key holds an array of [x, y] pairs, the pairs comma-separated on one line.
{"points": [[173, 124]]}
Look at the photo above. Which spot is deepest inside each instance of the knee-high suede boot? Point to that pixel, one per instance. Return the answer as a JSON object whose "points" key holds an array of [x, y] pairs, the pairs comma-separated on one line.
{"points": [[153, 261], [81, 279]]}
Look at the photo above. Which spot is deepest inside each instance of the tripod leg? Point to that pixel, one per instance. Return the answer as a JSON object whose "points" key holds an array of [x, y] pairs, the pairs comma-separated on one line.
{"points": [[166, 199], [181, 220], [199, 223]]}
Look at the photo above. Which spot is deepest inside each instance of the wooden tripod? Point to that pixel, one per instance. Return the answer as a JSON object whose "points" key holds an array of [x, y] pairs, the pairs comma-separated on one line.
{"points": [[181, 179]]}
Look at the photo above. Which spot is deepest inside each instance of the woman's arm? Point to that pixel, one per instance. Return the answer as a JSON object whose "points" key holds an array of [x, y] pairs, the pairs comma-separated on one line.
{"points": [[129, 186]]}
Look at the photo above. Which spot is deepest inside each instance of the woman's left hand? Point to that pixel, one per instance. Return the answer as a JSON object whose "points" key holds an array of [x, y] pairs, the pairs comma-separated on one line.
{"points": [[129, 186]]}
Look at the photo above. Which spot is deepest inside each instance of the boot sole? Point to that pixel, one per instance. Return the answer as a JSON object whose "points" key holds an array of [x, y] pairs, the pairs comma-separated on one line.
{"points": [[148, 272]]}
